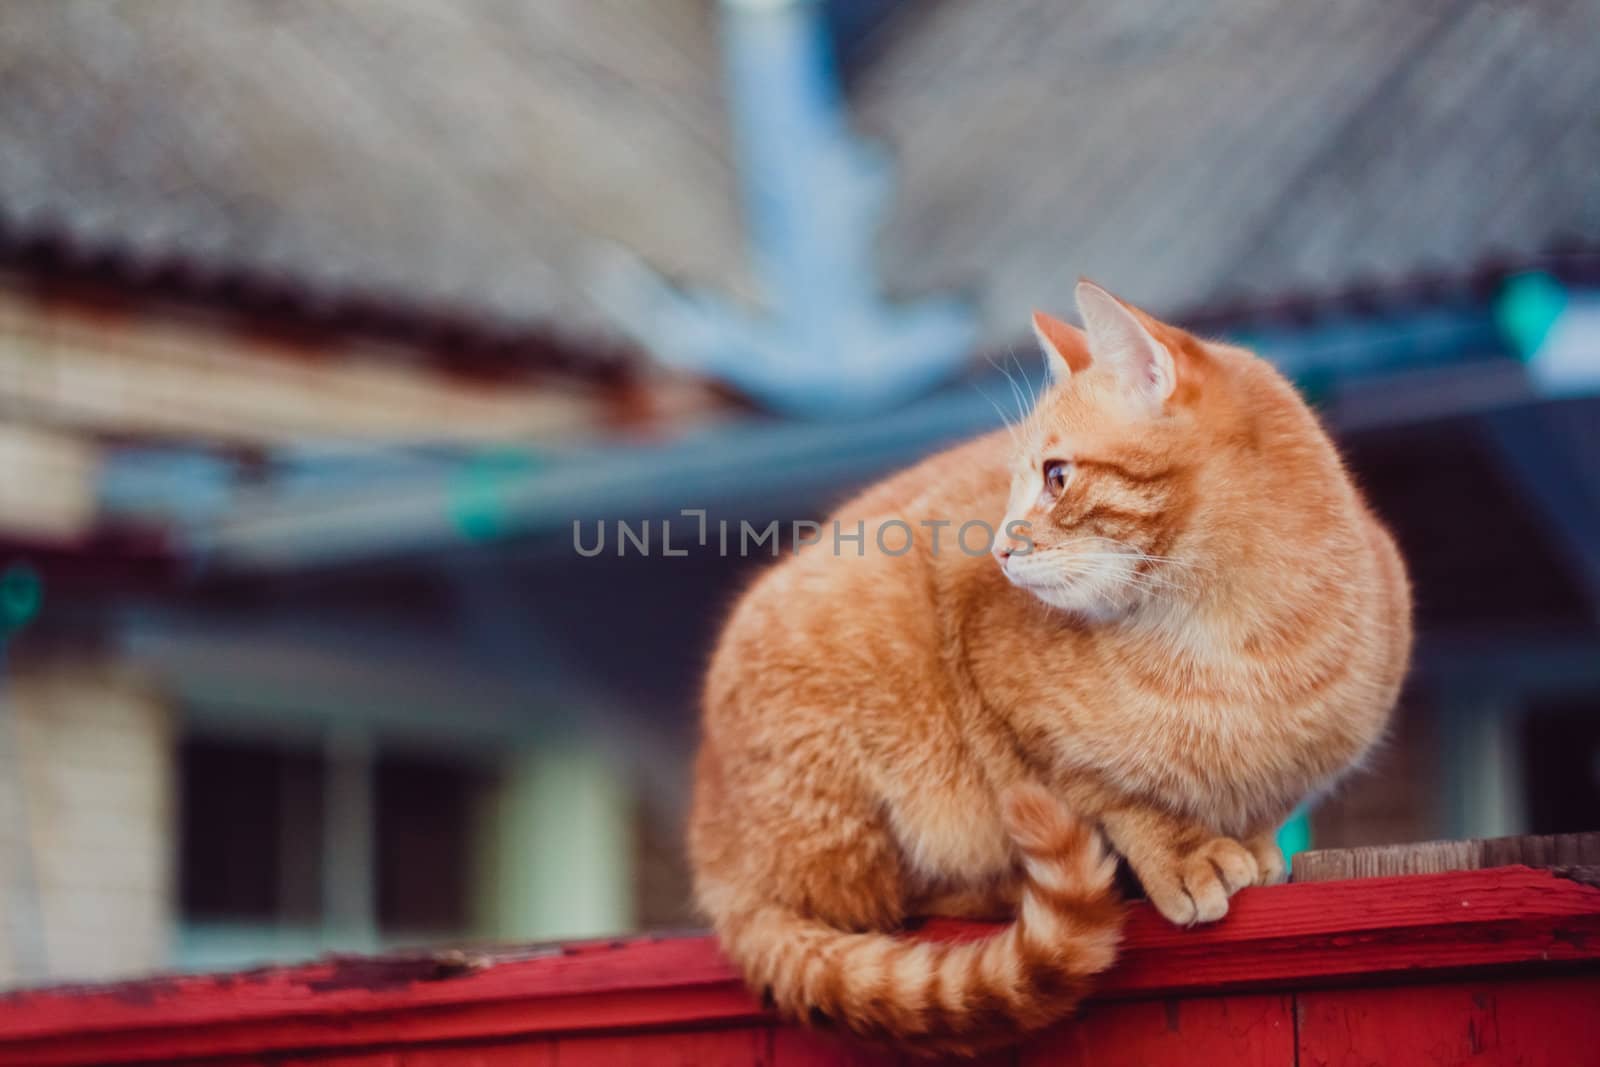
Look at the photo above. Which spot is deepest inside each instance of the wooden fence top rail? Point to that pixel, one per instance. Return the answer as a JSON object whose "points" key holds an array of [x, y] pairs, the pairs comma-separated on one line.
{"points": [[1296, 936]]}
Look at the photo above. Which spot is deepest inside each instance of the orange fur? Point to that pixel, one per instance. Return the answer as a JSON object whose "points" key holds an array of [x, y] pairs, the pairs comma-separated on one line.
{"points": [[1211, 627]]}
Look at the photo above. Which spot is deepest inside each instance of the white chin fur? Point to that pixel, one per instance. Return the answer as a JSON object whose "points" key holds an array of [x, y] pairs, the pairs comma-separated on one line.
{"points": [[1100, 594], [1087, 605]]}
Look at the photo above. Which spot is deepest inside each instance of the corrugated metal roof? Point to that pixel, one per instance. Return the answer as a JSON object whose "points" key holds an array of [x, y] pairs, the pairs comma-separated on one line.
{"points": [[457, 155], [1192, 152], [476, 157]]}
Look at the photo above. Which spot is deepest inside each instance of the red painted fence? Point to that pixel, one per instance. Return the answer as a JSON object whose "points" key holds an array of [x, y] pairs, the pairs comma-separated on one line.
{"points": [[1496, 966]]}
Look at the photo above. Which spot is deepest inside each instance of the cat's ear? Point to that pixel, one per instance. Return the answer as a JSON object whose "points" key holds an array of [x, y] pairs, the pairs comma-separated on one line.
{"points": [[1120, 337], [1066, 349]]}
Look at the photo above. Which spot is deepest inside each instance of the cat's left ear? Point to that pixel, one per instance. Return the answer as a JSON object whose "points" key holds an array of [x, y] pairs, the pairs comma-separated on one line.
{"points": [[1066, 349], [1121, 337]]}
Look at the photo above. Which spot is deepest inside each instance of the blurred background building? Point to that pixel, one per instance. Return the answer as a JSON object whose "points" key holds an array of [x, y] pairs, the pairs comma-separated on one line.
{"points": [[321, 324]]}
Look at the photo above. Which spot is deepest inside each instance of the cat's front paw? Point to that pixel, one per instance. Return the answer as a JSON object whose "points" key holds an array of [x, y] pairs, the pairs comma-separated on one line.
{"points": [[1194, 886], [1271, 867]]}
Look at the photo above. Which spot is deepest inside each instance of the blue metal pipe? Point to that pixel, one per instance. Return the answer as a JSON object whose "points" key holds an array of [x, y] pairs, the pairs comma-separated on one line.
{"points": [[828, 345]]}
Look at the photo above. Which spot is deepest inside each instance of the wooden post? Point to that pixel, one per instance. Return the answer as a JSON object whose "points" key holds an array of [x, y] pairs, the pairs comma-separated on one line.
{"points": [[565, 845], [25, 958], [1484, 787], [349, 886]]}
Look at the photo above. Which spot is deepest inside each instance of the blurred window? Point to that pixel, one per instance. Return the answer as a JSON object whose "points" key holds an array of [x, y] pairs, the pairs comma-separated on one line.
{"points": [[1561, 747], [424, 843], [254, 823], [251, 831]]}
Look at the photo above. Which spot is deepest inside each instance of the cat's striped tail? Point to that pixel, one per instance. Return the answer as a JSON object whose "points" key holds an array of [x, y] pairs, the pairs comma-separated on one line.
{"points": [[935, 997]]}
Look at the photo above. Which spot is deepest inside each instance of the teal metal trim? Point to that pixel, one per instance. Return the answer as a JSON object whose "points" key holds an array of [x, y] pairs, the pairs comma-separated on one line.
{"points": [[1295, 834]]}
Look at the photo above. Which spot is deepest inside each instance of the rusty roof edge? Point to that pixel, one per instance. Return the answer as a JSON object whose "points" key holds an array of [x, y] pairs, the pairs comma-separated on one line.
{"points": [[458, 338], [465, 339], [1572, 262]]}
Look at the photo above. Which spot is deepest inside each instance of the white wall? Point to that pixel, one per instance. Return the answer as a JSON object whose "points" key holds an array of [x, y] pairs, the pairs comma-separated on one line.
{"points": [[86, 864]]}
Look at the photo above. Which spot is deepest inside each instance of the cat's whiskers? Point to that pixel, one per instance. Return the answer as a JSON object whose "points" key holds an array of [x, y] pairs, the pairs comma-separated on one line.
{"points": [[1024, 409], [1020, 421], [1033, 397], [1012, 428], [1135, 552], [1144, 581], [1127, 553]]}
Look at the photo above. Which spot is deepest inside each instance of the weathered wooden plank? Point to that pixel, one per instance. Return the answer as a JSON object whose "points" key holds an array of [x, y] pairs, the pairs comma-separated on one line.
{"points": [[155, 375], [705, 1048], [1554, 850], [528, 1053], [1507, 1021], [1254, 1030], [793, 1046], [1433, 857], [1322, 933]]}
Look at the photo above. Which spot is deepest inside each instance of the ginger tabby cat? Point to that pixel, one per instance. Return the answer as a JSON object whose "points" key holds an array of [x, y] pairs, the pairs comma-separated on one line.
{"points": [[1200, 625]]}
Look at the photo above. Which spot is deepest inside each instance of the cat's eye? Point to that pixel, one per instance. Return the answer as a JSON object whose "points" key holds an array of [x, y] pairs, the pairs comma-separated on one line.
{"points": [[1056, 472]]}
